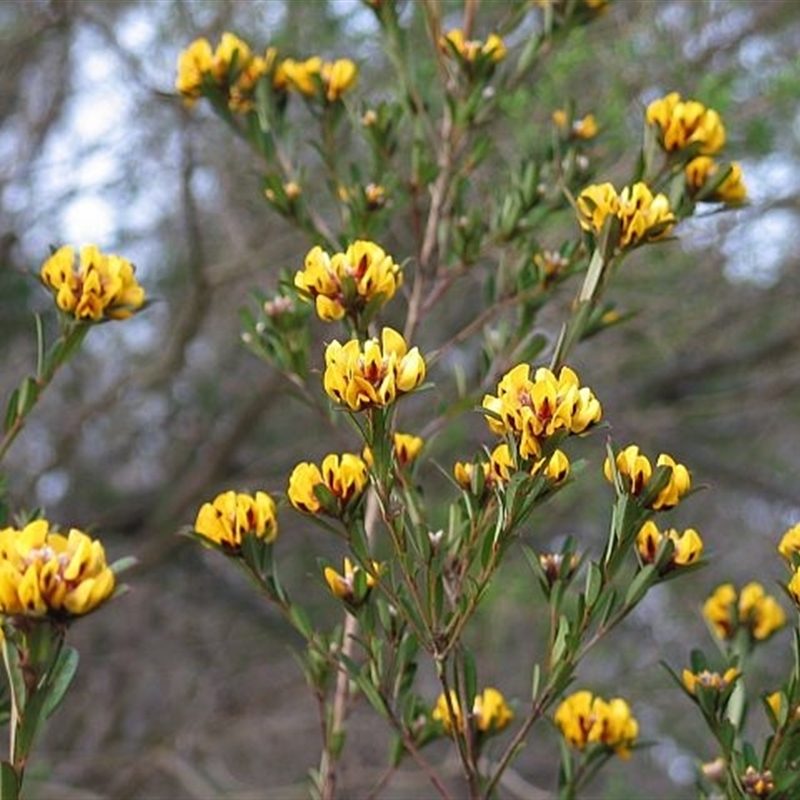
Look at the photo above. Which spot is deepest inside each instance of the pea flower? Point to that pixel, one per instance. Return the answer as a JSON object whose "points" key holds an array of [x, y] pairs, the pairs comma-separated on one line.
{"points": [[688, 546], [343, 586], [636, 471], [703, 170], [585, 720], [643, 216], [535, 409], [470, 50], [682, 124], [727, 611], [232, 68], [374, 375], [99, 287], [790, 543], [346, 283], [44, 573], [231, 515], [344, 477], [406, 448], [793, 587], [490, 711], [758, 784]]}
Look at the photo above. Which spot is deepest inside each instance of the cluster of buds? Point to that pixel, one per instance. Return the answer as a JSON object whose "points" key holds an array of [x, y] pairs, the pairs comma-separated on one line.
{"points": [[314, 77], [536, 409], [362, 277], [473, 51], [500, 467], [94, 288], [353, 585], [44, 573], [585, 720], [490, 712]]}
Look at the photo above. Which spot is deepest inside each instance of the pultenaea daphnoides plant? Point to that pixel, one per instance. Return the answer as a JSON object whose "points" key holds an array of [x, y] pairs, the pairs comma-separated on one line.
{"points": [[348, 165], [49, 578]]}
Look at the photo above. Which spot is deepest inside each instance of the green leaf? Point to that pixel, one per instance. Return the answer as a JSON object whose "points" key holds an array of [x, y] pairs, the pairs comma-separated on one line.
{"points": [[594, 583], [640, 585], [9, 783], [60, 679], [470, 678]]}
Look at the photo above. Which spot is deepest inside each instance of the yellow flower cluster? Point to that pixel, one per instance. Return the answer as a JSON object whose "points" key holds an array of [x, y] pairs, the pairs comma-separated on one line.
{"points": [[727, 611], [535, 409], [374, 374], [643, 217], [489, 710], [470, 50], [789, 548], [635, 471], [500, 467], [43, 572], [343, 476], [343, 586], [682, 124], [703, 170], [347, 282], [585, 720], [688, 545], [709, 680], [100, 286], [232, 68], [307, 77], [232, 515]]}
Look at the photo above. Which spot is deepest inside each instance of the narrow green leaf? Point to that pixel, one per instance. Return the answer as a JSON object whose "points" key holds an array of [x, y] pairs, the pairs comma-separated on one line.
{"points": [[640, 585], [61, 677], [470, 678], [9, 783]]}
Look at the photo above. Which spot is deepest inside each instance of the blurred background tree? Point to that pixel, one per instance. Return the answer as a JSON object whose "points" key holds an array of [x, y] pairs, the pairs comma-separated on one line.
{"points": [[192, 691]]}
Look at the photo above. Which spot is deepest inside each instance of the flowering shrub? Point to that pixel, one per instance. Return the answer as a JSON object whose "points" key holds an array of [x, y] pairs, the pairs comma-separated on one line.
{"points": [[416, 568]]}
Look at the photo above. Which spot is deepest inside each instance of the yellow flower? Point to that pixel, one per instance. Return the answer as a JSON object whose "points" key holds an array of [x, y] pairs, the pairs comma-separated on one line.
{"points": [[441, 713], [727, 611], [793, 587], [709, 680], [490, 711], [300, 75], [347, 282], [557, 467], [585, 719], [193, 64], [790, 543], [585, 128], [760, 611], [373, 375], [42, 572], [343, 586], [231, 515], [682, 124], [470, 50], [636, 471], [533, 410], [464, 470], [688, 545], [703, 169], [338, 76], [101, 287], [406, 448], [643, 216], [343, 476]]}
